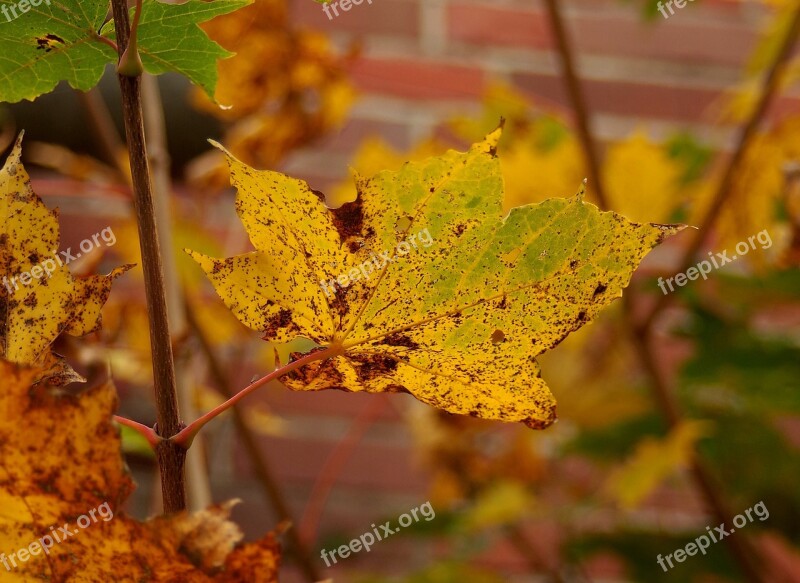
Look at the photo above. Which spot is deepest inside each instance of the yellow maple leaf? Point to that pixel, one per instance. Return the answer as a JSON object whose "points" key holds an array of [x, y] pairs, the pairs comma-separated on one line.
{"points": [[758, 189], [641, 181], [39, 297], [653, 461], [63, 521], [295, 91], [374, 155], [458, 319]]}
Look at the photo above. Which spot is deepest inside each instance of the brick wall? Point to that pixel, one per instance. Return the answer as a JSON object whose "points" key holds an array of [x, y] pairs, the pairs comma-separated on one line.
{"points": [[424, 60], [421, 62]]}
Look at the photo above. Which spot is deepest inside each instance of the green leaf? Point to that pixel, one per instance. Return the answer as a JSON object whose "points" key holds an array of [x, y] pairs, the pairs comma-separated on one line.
{"points": [[736, 369], [639, 547], [171, 40], [134, 442], [692, 154], [443, 572], [55, 41], [58, 40], [612, 442]]}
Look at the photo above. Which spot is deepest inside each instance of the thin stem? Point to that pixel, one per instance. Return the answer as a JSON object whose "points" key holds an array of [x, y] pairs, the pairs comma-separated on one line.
{"points": [[143, 430], [769, 90], [739, 546], [334, 466], [742, 549], [537, 564], [577, 99], [171, 457], [103, 127], [185, 437], [135, 26], [198, 485], [106, 41], [130, 62], [260, 466]]}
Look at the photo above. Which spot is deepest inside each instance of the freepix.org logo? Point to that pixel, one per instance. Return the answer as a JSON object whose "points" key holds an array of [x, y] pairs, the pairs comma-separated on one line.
{"points": [[376, 263], [57, 535], [50, 265], [14, 11]]}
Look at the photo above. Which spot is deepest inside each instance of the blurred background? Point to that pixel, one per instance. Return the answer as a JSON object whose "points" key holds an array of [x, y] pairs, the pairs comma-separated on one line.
{"points": [[676, 412]]}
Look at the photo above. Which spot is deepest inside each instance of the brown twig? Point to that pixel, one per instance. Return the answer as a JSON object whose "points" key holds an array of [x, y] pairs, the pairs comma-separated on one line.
{"points": [[741, 547], [263, 472], [743, 552], [198, 484], [537, 564], [577, 99], [170, 455], [769, 90], [102, 126], [106, 41], [334, 466]]}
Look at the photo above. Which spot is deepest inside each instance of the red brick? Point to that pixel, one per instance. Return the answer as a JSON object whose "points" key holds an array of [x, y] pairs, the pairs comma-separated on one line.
{"points": [[371, 466], [328, 403], [624, 98], [417, 79], [616, 35], [355, 131], [382, 17], [491, 25], [628, 98]]}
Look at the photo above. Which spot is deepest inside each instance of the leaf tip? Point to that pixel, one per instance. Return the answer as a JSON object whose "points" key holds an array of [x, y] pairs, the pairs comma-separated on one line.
{"points": [[539, 423], [490, 142], [204, 261], [228, 154], [16, 151], [219, 146], [117, 271], [669, 230], [582, 190]]}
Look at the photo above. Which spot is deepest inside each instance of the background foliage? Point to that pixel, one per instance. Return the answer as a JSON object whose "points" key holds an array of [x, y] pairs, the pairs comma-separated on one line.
{"points": [[610, 486]]}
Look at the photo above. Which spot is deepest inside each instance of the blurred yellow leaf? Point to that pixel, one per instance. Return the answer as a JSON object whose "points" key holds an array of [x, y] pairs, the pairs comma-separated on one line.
{"points": [[758, 191], [500, 100], [284, 88], [502, 503], [533, 175], [641, 180], [653, 461], [591, 374]]}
